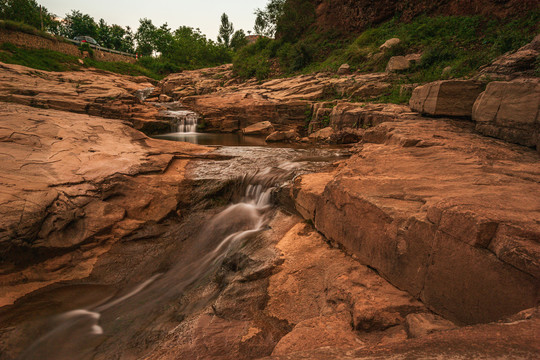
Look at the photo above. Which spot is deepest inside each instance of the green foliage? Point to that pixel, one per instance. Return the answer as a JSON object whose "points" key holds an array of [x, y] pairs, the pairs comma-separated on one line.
{"points": [[85, 47], [18, 26], [296, 17], [267, 18], [42, 59], [48, 60], [226, 31], [79, 24], [254, 60], [123, 68], [25, 11], [146, 37], [463, 43], [238, 40]]}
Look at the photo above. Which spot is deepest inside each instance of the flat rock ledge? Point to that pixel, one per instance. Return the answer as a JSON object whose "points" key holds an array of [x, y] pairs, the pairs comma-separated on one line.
{"points": [[441, 212], [73, 184]]}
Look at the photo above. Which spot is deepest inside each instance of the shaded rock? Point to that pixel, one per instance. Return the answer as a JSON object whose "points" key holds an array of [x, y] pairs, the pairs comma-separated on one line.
{"points": [[344, 69], [397, 63], [446, 71], [261, 128], [422, 324], [510, 111], [446, 98], [390, 43], [278, 136]]}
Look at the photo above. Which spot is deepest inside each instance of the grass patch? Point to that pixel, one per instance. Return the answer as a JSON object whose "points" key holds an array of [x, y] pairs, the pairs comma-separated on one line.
{"points": [[28, 29], [41, 59], [48, 60], [463, 43]]}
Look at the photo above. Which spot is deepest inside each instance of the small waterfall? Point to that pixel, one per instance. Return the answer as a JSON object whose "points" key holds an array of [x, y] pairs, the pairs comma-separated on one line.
{"points": [[142, 94], [185, 121], [78, 334], [75, 334]]}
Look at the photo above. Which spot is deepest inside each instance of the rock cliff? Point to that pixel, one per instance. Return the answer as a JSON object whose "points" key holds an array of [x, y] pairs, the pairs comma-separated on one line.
{"points": [[356, 15]]}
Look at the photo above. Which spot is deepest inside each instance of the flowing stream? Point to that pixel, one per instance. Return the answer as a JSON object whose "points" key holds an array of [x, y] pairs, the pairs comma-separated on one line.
{"points": [[259, 172]]}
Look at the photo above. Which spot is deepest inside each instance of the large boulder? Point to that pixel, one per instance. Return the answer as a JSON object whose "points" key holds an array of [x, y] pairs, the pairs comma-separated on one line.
{"points": [[509, 110], [399, 63], [390, 43], [446, 98], [260, 128], [285, 136], [344, 69]]}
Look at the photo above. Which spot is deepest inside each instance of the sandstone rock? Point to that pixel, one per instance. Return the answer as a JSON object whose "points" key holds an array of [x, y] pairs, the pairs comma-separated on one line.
{"points": [[261, 128], [446, 98], [165, 98], [422, 234], [510, 111], [344, 69], [106, 94], [284, 102], [73, 182], [512, 65], [287, 136], [399, 63], [390, 43], [322, 134], [422, 324]]}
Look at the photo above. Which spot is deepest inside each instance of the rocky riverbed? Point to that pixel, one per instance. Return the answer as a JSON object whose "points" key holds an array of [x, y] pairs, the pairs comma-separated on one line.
{"points": [[419, 239]]}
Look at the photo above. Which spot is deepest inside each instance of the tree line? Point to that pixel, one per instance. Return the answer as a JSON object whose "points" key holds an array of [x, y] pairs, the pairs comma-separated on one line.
{"points": [[161, 48]]}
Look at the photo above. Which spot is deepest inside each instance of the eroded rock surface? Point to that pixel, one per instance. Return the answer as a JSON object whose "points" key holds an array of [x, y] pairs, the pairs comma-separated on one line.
{"points": [[286, 103], [445, 214], [72, 184], [92, 92]]}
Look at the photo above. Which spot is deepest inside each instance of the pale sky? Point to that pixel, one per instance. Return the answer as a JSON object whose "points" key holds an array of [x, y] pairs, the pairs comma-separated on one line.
{"points": [[203, 14]]}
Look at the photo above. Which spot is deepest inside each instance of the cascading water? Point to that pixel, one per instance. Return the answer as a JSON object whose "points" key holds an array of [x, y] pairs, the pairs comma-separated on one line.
{"points": [[186, 121], [79, 333]]}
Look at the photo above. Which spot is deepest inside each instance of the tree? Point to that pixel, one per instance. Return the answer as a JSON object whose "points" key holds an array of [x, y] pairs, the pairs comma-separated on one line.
{"points": [[163, 39], [225, 31], [238, 40], [146, 37], [266, 20], [79, 24], [25, 11]]}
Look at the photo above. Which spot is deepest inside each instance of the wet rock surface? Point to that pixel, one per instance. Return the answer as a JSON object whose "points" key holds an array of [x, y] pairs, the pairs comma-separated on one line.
{"points": [[115, 245], [70, 185], [286, 103]]}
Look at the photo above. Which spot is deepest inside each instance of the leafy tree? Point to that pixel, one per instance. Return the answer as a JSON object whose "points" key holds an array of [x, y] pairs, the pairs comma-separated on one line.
{"points": [[146, 37], [26, 11], [225, 31], [266, 20], [163, 39], [295, 18], [103, 34], [79, 24], [238, 40]]}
